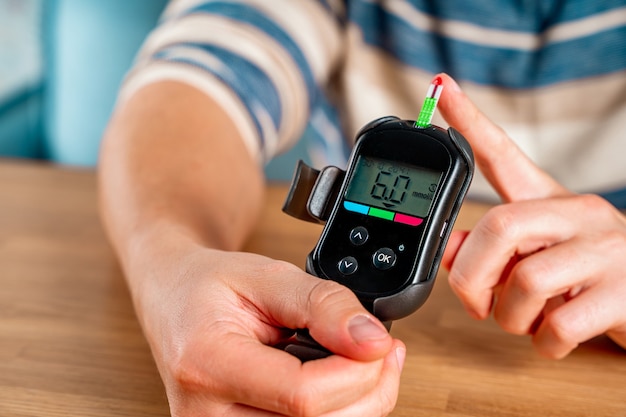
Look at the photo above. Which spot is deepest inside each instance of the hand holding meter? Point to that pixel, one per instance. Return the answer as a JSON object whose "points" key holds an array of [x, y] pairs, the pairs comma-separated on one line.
{"points": [[388, 217]]}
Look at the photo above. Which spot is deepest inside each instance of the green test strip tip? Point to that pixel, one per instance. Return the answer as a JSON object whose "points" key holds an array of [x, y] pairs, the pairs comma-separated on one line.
{"points": [[430, 103]]}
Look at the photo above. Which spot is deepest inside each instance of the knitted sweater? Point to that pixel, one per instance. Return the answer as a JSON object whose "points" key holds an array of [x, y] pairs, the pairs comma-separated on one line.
{"points": [[552, 73]]}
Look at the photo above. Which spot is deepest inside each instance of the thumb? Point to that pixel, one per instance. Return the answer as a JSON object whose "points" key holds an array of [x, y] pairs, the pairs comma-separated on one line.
{"points": [[333, 314], [509, 170], [337, 320]]}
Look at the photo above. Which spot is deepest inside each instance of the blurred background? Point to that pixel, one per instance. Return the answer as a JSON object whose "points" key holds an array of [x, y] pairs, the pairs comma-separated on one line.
{"points": [[61, 65]]}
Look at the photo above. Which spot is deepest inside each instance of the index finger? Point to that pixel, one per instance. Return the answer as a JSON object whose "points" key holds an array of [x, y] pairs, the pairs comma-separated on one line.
{"points": [[271, 379], [507, 168]]}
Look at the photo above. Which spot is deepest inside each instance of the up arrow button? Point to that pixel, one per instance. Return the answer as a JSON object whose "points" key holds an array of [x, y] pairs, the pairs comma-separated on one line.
{"points": [[359, 235]]}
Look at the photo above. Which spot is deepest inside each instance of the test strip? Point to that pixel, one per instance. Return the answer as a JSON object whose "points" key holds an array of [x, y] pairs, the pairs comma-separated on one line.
{"points": [[430, 103]]}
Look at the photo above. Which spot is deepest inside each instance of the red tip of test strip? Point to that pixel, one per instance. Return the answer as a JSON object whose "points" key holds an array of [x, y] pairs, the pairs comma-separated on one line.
{"points": [[437, 81]]}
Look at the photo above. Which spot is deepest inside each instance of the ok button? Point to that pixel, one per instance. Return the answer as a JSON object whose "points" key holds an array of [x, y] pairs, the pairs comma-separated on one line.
{"points": [[384, 258]]}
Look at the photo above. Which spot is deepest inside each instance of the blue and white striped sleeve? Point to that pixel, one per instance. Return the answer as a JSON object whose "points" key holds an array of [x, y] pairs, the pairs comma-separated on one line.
{"points": [[263, 61]]}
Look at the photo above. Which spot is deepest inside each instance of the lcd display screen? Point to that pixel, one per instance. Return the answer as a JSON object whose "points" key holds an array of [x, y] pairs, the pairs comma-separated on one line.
{"points": [[392, 186]]}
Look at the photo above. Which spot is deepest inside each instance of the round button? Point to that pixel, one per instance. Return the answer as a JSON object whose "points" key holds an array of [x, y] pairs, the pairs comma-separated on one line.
{"points": [[348, 265], [359, 235], [384, 258]]}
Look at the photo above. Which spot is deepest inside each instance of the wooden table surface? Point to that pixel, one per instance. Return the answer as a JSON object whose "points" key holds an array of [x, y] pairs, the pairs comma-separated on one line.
{"points": [[70, 344]]}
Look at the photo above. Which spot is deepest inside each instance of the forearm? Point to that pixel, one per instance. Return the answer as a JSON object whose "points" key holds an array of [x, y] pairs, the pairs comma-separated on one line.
{"points": [[177, 181], [176, 169]]}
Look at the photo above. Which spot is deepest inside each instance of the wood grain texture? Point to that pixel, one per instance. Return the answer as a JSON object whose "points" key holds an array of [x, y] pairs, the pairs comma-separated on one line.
{"points": [[70, 344]]}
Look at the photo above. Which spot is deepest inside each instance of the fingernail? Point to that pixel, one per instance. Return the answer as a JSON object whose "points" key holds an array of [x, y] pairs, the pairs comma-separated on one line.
{"points": [[452, 84], [400, 356], [364, 329]]}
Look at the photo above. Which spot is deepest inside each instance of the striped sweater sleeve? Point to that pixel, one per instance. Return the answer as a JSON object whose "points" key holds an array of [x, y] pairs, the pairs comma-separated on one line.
{"points": [[264, 62]]}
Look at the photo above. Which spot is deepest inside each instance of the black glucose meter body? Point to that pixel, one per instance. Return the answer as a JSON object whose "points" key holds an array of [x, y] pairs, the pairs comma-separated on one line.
{"points": [[389, 215]]}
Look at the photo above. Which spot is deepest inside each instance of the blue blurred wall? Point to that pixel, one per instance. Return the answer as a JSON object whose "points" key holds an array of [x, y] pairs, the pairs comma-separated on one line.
{"points": [[85, 47], [21, 69], [89, 48]]}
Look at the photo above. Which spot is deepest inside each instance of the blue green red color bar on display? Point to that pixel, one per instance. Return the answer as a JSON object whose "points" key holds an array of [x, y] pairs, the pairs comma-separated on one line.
{"points": [[383, 214]]}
